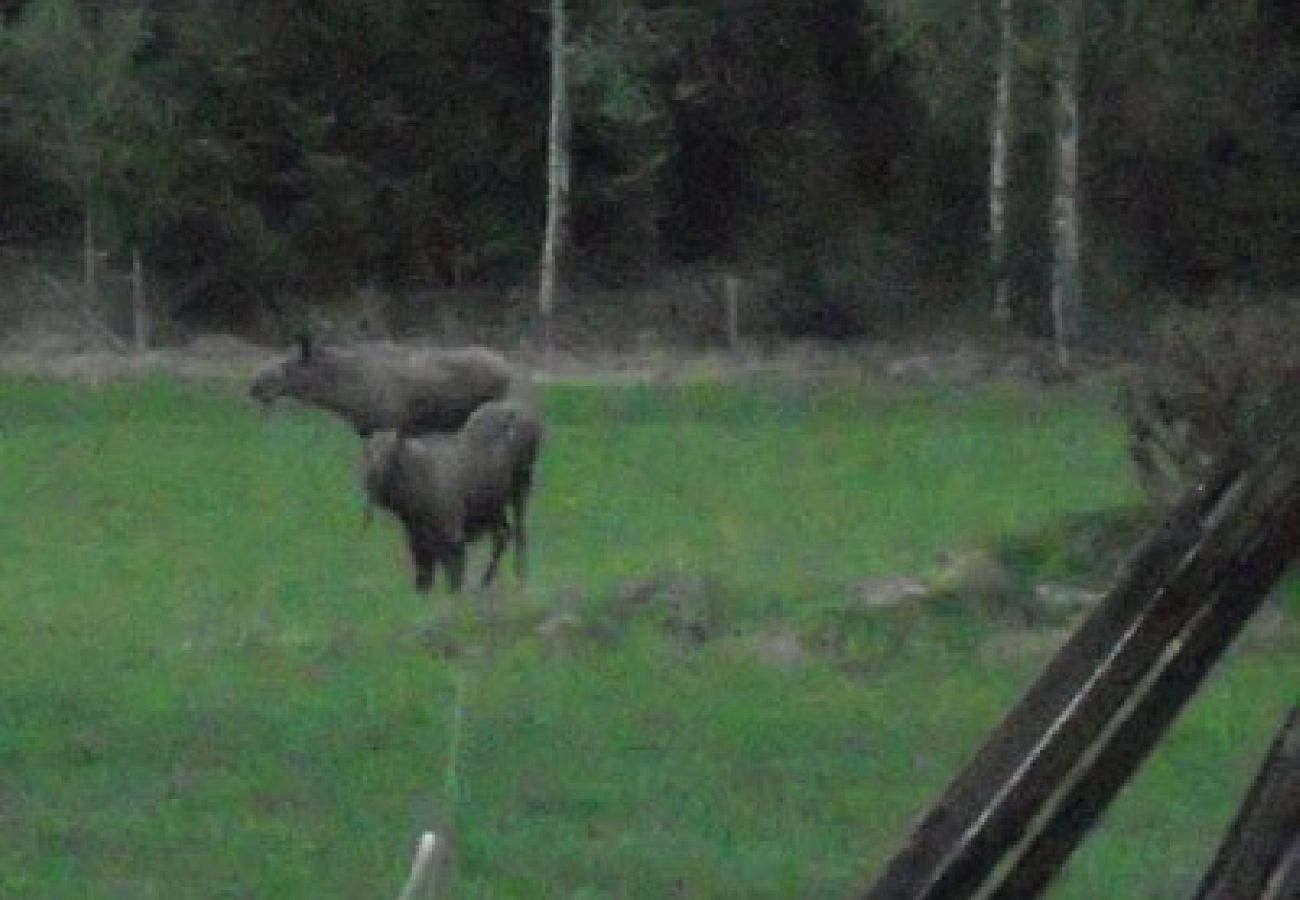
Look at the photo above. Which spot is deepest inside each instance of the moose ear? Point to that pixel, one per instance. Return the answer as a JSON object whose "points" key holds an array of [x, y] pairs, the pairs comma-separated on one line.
{"points": [[304, 345]]}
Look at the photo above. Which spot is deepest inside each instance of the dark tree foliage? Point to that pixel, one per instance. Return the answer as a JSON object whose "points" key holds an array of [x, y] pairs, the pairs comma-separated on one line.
{"points": [[1198, 166], [262, 148]]}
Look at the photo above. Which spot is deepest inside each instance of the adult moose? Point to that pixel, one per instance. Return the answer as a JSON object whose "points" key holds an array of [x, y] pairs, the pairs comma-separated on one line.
{"points": [[383, 388], [431, 398]]}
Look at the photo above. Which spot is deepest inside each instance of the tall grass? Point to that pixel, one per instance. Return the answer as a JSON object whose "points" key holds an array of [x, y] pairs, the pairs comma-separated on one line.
{"points": [[215, 683]]}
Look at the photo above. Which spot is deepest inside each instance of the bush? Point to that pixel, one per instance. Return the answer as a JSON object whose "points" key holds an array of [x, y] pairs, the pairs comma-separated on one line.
{"points": [[1210, 374]]}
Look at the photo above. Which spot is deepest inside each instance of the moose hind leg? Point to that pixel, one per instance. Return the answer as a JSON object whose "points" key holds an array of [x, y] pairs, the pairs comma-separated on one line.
{"points": [[422, 558], [519, 509], [500, 536], [453, 563]]}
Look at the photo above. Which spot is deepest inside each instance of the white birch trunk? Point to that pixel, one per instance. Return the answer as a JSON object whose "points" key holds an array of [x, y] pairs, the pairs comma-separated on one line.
{"points": [[999, 155], [1067, 289], [557, 175]]}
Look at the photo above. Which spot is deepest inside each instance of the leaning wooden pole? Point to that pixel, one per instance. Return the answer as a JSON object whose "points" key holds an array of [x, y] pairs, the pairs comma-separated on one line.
{"points": [[1048, 770], [1266, 831], [978, 817], [1123, 751]]}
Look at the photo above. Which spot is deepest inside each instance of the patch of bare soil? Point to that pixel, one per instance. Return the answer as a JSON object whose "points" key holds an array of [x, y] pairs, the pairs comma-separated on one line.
{"points": [[1022, 645], [219, 356], [207, 357]]}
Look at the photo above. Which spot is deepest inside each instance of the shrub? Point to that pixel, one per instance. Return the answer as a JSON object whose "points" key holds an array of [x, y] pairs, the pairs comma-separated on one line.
{"points": [[1208, 378]]}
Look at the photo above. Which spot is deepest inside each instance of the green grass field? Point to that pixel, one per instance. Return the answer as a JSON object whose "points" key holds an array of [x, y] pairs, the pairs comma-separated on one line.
{"points": [[215, 683]]}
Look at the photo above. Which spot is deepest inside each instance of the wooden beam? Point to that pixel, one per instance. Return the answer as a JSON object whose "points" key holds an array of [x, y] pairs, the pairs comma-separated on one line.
{"points": [[1285, 883], [1236, 598], [1115, 686], [1255, 846], [983, 812]]}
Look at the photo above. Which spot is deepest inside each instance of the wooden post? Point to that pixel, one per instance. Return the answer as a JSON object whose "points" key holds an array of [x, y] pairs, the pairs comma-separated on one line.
{"points": [[1285, 881], [962, 825], [1254, 850], [91, 281], [139, 305], [731, 298]]}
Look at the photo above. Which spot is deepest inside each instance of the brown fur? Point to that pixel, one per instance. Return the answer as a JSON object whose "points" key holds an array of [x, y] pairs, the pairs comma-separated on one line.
{"points": [[380, 389], [447, 490]]}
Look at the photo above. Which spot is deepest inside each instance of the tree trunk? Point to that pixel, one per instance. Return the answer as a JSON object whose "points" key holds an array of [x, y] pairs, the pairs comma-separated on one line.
{"points": [[1067, 289], [557, 177], [1000, 146]]}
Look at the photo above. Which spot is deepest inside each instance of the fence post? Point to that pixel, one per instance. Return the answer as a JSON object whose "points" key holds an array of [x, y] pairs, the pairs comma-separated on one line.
{"points": [[731, 300], [139, 304], [1254, 849]]}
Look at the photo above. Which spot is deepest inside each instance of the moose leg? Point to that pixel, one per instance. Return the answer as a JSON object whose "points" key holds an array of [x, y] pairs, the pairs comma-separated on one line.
{"points": [[453, 562], [519, 506], [424, 572], [500, 536], [422, 558]]}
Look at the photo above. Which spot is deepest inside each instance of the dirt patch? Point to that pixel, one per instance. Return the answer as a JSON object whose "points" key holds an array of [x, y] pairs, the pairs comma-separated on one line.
{"points": [[220, 356], [99, 366], [1021, 646], [780, 649]]}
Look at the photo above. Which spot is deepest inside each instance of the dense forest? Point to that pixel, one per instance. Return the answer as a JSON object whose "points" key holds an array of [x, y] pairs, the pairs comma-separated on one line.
{"points": [[249, 150]]}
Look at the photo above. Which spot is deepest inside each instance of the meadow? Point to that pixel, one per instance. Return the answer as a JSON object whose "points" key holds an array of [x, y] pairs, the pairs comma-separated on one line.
{"points": [[215, 683]]}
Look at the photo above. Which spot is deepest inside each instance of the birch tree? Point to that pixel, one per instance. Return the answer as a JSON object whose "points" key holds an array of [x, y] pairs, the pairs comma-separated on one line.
{"points": [[557, 176], [999, 158], [964, 62], [1067, 288], [77, 98]]}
